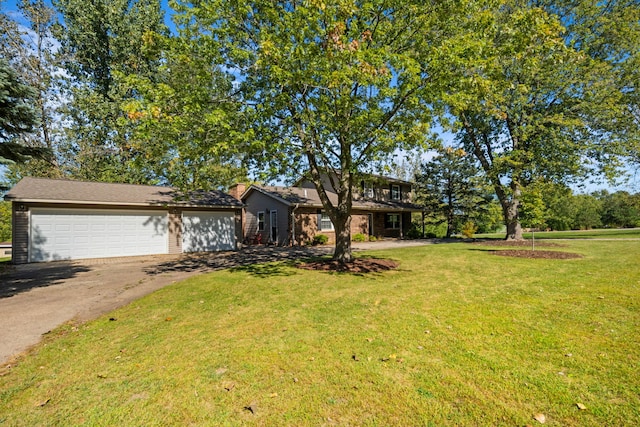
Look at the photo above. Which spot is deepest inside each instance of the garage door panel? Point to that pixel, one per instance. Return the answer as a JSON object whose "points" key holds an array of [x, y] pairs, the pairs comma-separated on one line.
{"points": [[208, 231], [81, 233]]}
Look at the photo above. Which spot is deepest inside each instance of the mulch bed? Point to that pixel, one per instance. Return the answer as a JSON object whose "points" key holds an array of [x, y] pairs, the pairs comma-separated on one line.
{"points": [[358, 265], [537, 254], [516, 243], [527, 253]]}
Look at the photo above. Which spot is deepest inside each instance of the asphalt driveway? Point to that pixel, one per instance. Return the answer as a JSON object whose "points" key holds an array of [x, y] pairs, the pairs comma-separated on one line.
{"points": [[36, 298]]}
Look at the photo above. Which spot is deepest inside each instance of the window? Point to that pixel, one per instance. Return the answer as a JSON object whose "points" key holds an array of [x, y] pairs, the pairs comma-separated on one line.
{"points": [[261, 221], [395, 192], [367, 190], [393, 221], [325, 222]]}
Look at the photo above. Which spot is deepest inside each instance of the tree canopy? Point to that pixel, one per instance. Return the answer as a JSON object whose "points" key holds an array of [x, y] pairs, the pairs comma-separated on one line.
{"points": [[529, 104], [330, 86], [541, 91]]}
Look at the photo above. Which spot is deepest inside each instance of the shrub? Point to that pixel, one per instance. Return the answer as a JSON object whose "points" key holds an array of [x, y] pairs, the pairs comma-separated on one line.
{"points": [[469, 229], [415, 232], [372, 238], [320, 239], [359, 237]]}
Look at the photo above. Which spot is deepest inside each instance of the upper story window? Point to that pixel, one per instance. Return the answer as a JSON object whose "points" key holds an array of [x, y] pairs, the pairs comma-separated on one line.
{"points": [[367, 190], [260, 221], [395, 192]]}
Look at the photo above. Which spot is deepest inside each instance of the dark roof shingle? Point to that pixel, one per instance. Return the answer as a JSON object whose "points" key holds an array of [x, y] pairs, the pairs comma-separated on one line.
{"points": [[81, 192], [309, 197]]}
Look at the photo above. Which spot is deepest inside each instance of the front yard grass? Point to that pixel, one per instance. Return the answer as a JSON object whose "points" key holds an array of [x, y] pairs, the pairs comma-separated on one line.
{"points": [[454, 336]]}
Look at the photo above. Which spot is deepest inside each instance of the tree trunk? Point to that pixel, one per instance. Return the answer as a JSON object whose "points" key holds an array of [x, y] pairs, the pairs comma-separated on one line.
{"points": [[514, 229], [342, 252], [510, 209]]}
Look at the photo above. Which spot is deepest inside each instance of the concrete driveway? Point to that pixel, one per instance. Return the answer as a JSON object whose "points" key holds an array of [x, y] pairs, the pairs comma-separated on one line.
{"points": [[36, 298]]}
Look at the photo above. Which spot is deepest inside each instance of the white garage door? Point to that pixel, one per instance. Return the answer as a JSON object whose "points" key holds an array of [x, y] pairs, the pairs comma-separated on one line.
{"points": [[82, 233], [208, 231]]}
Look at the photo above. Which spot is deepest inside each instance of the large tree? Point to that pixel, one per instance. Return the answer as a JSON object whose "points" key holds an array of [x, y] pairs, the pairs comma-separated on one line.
{"points": [[187, 117], [332, 86], [101, 41], [609, 31], [529, 104], [31, 48]]}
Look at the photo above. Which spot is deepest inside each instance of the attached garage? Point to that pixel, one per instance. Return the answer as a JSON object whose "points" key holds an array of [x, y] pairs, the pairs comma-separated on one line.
{"points": [[208, 231], [65, 220], [86, 233]]}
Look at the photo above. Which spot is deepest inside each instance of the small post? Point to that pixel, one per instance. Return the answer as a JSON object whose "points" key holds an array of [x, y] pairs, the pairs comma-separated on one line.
{"points": [[533, 239]]}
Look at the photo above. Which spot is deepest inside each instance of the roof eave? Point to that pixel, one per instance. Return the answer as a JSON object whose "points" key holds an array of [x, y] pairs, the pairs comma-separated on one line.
{"points": [[103, 203]]}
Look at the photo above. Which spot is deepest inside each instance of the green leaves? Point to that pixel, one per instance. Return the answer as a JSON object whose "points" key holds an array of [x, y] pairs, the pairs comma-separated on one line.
{"points": [[17, 115], [529, 103]]}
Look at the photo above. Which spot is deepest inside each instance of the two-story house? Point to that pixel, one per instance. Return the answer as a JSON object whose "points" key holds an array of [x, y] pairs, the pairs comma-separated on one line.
{"points": [[382, 207]]}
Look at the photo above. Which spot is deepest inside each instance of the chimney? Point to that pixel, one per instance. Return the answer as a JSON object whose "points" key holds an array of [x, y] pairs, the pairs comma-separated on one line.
{"points": [[237, 190]]}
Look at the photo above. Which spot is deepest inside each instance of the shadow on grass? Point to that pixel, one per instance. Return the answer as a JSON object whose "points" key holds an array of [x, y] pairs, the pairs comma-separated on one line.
{"points": [[257, 260], [22, 278]]}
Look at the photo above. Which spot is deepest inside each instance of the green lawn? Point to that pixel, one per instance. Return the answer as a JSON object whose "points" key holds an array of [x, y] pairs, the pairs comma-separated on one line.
{"points": [[455, 336], [609, 233]]}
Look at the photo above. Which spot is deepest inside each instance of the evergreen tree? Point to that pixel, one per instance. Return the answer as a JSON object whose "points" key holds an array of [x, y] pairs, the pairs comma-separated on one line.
{"points": [[17, 115], [451, 189]]}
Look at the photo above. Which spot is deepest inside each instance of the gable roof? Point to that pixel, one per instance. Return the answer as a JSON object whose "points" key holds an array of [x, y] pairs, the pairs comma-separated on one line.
{"points": [[45, 190], [361, 176], [308, 197]]}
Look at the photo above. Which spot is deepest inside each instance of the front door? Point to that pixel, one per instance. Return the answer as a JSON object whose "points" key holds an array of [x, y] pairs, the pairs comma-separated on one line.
{"points": [[273, 235], [370, 217]]}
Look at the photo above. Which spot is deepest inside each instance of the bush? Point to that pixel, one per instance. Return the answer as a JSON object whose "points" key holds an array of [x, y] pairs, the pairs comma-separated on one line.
{"points": [[320, 239], [415, 232], [372, 238], [359, 237], [469, 229]]}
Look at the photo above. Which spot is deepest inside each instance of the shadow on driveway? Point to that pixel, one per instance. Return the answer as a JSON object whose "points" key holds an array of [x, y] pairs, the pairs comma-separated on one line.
{"points": [[22, 278], [244, 259]]}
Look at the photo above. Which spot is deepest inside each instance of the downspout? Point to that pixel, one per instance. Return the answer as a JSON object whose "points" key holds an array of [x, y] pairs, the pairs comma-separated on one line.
{"points": [[293, 224]]}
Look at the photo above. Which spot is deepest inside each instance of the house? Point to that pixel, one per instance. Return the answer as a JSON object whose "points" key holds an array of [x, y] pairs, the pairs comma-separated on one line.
{"points": [[294, 215], [63, 219]]}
